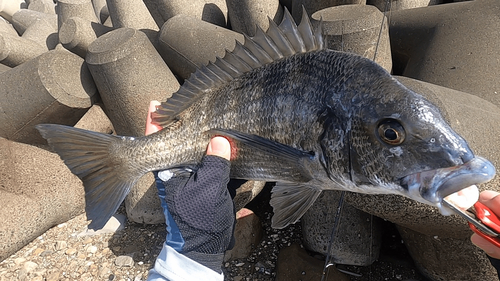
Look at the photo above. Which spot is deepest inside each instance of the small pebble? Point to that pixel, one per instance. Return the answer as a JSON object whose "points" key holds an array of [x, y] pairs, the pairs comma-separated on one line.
{"points": [[46, 253], [38, 251], [60, 245], [29, 266], [92, 249], [103, 271], [123, 261], [19, 261], [70, 251]]}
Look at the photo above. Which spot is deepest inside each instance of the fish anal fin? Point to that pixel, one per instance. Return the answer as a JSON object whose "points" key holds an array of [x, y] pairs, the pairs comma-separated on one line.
{"points": [[290, 201], [257, 158]]}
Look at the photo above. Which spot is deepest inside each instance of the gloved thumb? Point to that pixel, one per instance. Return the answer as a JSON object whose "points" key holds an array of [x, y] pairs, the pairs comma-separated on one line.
{"points": [[219, 146]]}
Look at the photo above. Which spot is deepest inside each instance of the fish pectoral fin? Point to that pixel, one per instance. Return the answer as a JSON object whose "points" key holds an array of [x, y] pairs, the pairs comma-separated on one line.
{"points": [[290, 201], [257, 158]]}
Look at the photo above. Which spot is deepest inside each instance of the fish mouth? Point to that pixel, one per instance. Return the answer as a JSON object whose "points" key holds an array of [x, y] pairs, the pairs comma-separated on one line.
{"points": [[432, 186]]}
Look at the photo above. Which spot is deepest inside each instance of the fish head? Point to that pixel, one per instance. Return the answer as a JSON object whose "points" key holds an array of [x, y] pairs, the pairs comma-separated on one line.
{"points": [[400, 142]]}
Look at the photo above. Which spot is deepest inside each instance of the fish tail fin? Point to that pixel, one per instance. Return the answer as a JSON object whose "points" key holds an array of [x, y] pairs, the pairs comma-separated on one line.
{"points": [[107, 180]]}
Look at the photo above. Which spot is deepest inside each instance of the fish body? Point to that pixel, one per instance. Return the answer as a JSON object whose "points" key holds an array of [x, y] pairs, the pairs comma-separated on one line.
{"points": [[306, 117]]}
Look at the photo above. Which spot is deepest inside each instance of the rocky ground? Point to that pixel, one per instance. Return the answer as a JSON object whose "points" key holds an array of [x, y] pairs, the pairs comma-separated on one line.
{"points": [[62, 254]]}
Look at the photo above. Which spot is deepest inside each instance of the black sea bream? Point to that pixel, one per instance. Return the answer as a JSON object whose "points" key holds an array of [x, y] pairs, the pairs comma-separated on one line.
{"points": [[298, 114]]}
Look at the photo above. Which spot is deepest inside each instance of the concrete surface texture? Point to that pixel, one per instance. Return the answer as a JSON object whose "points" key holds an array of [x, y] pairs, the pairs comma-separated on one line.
{"points": [[76, 34], [184, 51], [66, 9], [313, 6], [357, 238], [212, 11], [359, 29], [246, 15], [37, 192], [56, 87], [451, 45]]}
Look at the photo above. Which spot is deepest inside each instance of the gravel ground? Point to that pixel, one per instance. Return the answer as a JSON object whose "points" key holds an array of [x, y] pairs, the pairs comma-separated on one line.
{"points": [[61, 254]]}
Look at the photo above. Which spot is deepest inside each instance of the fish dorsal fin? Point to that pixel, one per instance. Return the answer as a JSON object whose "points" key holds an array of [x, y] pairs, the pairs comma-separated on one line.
{"points": [[278, 42]]}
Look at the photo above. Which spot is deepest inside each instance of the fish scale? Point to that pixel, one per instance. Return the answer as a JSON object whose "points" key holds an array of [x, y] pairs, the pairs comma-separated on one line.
{"points": [[298, 114]]}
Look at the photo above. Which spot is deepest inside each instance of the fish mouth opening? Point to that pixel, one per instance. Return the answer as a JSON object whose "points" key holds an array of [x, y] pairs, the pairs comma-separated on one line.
{"points": [[432, 186]]}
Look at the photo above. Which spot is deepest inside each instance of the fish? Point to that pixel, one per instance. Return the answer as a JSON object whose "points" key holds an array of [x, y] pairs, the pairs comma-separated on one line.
{"points": [[297, 114]]}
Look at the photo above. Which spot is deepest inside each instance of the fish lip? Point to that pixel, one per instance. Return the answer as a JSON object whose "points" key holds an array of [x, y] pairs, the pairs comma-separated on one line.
{"points": [[433, 185]]}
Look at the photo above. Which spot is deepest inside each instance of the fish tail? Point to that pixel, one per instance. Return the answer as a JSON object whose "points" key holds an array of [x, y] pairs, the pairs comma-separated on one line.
{"points": [[96, 159]]}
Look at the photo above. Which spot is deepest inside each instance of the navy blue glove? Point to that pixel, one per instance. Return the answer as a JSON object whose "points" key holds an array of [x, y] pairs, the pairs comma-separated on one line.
{"points": [[199, 210]]}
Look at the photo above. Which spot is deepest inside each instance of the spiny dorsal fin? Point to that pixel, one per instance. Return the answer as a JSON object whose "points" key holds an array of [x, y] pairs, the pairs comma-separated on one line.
{"points": [[278, 42]]}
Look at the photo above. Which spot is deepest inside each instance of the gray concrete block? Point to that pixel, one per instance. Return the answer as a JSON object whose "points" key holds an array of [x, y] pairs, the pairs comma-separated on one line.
{"points": [[42, 32], [453, 45], [95, 120], [37, 192], [25, 18], [439, 258], [212, 11], [396, 5], [101, 10], [76, 34], [187, 43], [6, 27], [55, 87], [66, 9], [473, 118], [247, 234], [4, 68], [357, 29], [358, 235], [15, 50], [314, 6], [9, 8], [43, 6], [143, 204], [245, 192], [133, 14], [129, 73], [246, 15]]}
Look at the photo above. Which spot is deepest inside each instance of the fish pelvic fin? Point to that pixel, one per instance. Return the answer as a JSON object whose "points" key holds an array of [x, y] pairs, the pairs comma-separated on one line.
{"points": [[290, 201], [92, 157], [279, 41]]}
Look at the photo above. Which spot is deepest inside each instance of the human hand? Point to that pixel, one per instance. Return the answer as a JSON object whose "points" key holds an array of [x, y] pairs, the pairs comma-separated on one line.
{"points": [[199, 209], [490, 199]]}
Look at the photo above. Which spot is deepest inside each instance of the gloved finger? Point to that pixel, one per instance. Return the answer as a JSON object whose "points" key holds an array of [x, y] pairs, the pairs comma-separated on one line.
{"points": [[208, 184], [204, 201], [205, 195]]}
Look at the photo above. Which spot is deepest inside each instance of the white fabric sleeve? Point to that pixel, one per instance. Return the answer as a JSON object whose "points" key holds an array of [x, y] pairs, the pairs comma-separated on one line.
{"points": [[173, 266]]}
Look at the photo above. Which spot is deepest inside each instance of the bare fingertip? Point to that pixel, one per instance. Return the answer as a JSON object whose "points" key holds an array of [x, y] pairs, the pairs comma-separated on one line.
{"points": [[219, 146]]}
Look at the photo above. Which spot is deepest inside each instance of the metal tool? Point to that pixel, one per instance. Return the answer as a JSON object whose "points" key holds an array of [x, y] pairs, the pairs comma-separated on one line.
{"points": [[481, 220]]}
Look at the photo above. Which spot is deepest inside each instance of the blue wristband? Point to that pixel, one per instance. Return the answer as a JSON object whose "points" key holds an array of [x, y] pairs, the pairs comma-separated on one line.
{"points": [[174, 237]]}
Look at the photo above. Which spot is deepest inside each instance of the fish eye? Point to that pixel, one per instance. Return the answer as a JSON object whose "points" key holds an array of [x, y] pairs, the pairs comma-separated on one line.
{"points": [[391, 132]]}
